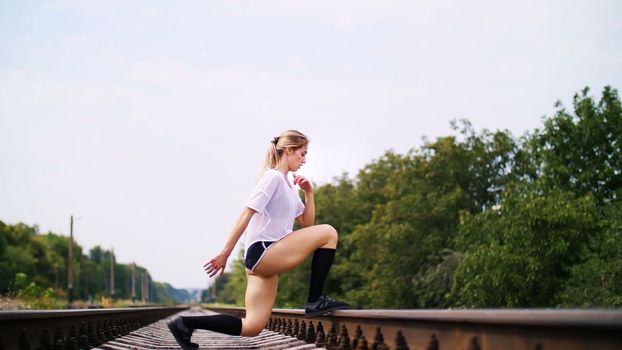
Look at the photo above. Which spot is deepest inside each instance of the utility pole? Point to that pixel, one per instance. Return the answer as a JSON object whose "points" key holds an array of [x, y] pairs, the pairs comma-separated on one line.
{"points": [[214, 291], [147, 287], [70, 265], [86, 287], [133, 282], [112, 273], [142, 286]]}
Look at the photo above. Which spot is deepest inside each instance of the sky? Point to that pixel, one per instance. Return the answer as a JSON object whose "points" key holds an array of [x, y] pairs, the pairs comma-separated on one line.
{"points": [[149, 120]]}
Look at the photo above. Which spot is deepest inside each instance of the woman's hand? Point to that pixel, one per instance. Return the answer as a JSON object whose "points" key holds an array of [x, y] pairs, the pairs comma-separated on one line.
{"points": [[303, 182], [216, 264]]}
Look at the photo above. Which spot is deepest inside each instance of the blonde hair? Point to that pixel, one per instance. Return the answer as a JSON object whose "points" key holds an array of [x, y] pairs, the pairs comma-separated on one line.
{"points": [[288, 139]]}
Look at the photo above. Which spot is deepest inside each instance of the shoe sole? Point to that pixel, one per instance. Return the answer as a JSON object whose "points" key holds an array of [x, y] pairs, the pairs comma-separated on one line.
{"points": [[172, 328], [326, 312]]}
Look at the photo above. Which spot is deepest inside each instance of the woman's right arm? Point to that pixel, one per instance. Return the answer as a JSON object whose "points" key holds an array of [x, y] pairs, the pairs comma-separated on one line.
{"points": [[219, 262]]}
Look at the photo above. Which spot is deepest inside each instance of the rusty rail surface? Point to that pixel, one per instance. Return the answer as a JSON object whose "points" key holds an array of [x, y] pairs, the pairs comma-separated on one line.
{"points": [[452, 329], [73, 329]]}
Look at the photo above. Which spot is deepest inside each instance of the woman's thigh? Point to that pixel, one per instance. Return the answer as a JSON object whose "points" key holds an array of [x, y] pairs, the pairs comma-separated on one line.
{"points": [[294, 248], [259, 300]]}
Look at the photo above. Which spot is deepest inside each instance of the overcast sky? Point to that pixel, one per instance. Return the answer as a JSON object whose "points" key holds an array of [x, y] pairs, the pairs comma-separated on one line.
{"points": [[149, 120]]}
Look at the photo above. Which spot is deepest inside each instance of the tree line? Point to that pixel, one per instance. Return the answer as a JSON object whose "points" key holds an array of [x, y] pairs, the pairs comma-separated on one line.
{"points": [[33, 267], [478, 219]]}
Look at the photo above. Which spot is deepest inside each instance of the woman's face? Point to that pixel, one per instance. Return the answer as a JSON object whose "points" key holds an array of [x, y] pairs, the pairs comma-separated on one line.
{"points": [[297, 158]]}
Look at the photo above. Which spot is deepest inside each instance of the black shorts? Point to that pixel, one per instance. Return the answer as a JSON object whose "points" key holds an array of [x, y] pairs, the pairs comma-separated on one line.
{"points": [[255, 253]]}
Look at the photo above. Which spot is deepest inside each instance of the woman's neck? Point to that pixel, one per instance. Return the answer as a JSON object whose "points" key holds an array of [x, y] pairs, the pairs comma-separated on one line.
{"points": [[283, 168]]}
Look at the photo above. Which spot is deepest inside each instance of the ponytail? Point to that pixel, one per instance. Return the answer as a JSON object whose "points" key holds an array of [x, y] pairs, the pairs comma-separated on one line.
{"points": [[272, 157]]}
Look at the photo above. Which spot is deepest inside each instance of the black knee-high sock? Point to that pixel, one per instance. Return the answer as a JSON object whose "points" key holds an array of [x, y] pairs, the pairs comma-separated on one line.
{"points": [[320, 265], [218, 323]]}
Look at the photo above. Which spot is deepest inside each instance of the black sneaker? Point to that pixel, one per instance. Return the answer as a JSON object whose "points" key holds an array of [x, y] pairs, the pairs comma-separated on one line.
{"points": [[324, 305], [181, 333]]}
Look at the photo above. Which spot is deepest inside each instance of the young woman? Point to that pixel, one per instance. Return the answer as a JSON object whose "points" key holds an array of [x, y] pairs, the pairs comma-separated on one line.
{"points": [[271, 247]]}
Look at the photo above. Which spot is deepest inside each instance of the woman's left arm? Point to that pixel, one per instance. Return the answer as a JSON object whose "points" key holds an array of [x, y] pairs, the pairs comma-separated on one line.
{"points": [[307, 218]]}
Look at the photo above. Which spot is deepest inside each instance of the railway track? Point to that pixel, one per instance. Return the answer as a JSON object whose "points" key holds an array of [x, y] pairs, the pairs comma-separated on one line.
{"points": [[452, 329], [74, 329], [145, 328]]}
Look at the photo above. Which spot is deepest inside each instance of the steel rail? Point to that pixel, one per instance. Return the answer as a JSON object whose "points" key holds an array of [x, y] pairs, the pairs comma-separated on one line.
{"points": [[513, 329], [73, 329]]}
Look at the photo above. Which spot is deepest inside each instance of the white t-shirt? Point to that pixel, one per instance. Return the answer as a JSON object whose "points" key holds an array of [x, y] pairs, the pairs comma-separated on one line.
{"points": [[277, 206]]}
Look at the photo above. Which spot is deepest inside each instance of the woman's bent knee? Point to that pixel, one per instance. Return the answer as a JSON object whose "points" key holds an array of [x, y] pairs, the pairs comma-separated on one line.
{"points": [[251, 331], [331, 233]]}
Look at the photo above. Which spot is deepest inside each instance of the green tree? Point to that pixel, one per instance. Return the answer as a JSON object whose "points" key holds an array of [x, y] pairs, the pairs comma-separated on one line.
{"points": [[5, 272], [582, 152], [597, 280], [34, 266], [520, 254], [554, 238]]}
